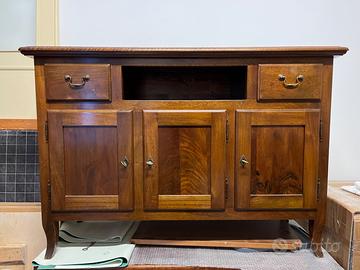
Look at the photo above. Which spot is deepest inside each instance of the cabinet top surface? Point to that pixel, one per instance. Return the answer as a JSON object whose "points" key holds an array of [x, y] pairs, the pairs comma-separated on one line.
{"points": [[184, 52]]}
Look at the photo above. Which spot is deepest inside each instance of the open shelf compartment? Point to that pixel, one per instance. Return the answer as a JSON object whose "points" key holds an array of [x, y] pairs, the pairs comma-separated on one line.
{"points": [[184, 83]]}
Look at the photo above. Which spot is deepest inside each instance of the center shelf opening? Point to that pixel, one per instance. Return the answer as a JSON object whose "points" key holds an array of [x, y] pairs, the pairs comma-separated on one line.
{"points": [[184, 83]]}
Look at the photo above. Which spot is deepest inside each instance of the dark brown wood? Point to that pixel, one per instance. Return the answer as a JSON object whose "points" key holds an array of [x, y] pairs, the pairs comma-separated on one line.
{"points": [[271, 88], [85, 171], [196, 144], [319, 221], [281, 148], [184, 52], [188, 150], [96, 88]]}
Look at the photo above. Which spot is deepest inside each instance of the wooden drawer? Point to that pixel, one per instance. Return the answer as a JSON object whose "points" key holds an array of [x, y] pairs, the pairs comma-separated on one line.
{"points": [[78, 82], [290, 81]]}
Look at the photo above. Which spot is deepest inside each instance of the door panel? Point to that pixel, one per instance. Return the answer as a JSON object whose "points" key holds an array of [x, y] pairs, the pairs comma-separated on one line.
{"points": [[87, 149], [276, 159], [187, 149], [185, 154], [272, 144]]}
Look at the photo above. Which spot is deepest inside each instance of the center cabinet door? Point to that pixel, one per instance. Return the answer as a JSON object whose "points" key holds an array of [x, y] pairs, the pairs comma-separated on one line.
{"points": [[91, 160], [276, 159], [185, 160]]}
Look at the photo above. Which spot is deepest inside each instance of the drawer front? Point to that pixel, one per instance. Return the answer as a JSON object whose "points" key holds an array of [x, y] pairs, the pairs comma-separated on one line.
{"points": [[78, 82], [290, 81]]}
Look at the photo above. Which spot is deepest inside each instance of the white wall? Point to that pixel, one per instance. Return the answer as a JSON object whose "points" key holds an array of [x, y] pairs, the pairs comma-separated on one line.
{"points": [[237, 23]]}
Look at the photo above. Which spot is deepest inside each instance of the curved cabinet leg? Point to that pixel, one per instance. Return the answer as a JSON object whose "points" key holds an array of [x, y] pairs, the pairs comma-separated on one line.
{"points": [[316, 240], [52, 233]]}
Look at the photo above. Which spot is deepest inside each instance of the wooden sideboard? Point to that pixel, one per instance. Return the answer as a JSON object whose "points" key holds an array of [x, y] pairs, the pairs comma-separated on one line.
{"points": [[183, 134]]}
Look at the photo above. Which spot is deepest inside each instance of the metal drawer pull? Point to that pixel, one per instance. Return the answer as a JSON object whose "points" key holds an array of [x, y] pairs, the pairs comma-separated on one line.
{"points": [[149, 163], [243, 161], [125, 162], [72, 85], [299, 80]]}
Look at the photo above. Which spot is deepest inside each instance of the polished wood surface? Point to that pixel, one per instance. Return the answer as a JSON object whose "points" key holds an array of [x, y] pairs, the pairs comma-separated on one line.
{"points": [[270, 87], [96, 88], [188, 150], [18, 124], [195, 144], [86, 149], [281, 148], [183, 52]]}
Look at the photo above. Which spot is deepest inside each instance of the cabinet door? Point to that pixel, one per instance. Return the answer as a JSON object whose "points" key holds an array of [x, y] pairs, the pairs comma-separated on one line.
{"points": [[91, 160], [184, 166], [276, 159]]}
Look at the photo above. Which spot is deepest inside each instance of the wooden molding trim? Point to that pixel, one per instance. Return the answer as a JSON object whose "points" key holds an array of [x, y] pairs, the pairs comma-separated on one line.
{"points": [[18, 124], [183, 52], [20, 207]]}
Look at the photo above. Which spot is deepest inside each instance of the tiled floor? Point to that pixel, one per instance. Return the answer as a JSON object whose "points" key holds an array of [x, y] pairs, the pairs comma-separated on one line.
{"points": [[19, 166]]}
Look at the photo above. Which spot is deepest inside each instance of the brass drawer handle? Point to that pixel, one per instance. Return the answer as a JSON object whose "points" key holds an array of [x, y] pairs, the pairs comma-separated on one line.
{"points": [[299, 80], [243, 161], [72, 85], [149, 163], [125, 162]]}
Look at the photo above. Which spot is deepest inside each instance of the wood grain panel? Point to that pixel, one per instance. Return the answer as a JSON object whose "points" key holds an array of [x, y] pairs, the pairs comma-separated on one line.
{"points": [[189, 151], [271, 88], [85, 160], [176, 118], [91, 202], [281, 146], [277, 201], [195, 154], [90, 157], [277, 160], [97, 88], [184, 160], [184, 202], [169, 161]]}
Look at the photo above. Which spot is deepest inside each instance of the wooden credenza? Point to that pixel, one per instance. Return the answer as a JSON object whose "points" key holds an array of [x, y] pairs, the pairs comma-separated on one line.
{"points": [[183, 134]]}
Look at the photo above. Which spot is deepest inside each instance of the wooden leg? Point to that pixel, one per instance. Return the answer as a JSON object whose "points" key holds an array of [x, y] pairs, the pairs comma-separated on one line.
{"points": [[318, 225], [310, 228], [51, 232]]}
